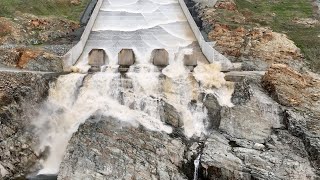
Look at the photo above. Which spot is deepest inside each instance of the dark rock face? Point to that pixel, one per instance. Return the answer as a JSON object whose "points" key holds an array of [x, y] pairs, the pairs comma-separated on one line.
{"points": [[171, 116], [306, 128], [19, 93], [113, 150], [242, 92], [214, 111]]}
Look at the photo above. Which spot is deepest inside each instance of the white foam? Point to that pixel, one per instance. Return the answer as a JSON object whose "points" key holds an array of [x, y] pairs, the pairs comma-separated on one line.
{"points": [[212, 81]]}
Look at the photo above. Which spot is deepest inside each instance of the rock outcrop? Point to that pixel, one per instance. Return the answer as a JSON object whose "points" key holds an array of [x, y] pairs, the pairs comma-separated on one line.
{"points": [[109, 149], [33, 59], [260, 139], [292, 88], [19, 95], [282, 156], [300, 92]]}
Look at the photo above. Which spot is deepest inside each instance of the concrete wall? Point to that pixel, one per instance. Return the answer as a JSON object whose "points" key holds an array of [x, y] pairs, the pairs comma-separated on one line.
{"points": [[73, 54], [207, 47]]}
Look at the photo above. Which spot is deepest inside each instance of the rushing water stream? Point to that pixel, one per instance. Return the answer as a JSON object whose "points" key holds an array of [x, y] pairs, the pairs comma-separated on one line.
{"points": [[136, 97], [196, 167]]}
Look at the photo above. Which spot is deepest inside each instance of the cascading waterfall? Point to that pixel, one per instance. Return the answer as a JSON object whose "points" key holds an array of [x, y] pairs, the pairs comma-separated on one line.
{"points": [[134, 97], [196, 167]]}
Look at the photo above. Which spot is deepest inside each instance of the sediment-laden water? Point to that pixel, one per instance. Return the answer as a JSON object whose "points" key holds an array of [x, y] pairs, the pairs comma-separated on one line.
{"points": [[139, 95]]}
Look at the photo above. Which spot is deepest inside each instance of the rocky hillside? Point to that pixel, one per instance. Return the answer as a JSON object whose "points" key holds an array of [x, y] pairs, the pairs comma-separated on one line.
{"points": [[255, 30], [33, 37]]}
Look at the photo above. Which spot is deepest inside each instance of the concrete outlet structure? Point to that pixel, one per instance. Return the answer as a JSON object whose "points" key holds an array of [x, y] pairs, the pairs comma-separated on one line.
{"points": [[97, 58], [190, 60], [160, 57], [126, 57]]}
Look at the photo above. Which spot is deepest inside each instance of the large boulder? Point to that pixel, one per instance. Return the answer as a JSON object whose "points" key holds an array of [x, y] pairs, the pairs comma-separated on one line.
{"points": [[292, 88], [253, 118], [214, 111], [110, 149], [171, 115]]}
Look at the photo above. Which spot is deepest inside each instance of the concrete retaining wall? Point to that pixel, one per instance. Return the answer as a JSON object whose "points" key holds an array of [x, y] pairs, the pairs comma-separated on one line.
{"points": [[207, 47], [73, 54]]}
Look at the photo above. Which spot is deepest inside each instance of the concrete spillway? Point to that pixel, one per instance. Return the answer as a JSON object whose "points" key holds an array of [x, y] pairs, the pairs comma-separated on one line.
{"points": [[140, 25]]}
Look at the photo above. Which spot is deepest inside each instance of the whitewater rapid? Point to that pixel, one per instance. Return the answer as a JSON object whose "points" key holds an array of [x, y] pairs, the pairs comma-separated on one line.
{"points": [[138, 96]]}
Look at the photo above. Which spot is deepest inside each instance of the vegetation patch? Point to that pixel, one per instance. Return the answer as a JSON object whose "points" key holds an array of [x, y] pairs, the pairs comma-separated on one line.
{"points": [[58, 8], [281, 16]]}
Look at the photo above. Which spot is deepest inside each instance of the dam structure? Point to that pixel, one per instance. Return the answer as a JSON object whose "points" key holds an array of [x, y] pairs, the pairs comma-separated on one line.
{"points": [[140, 62], [143, 26]]}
